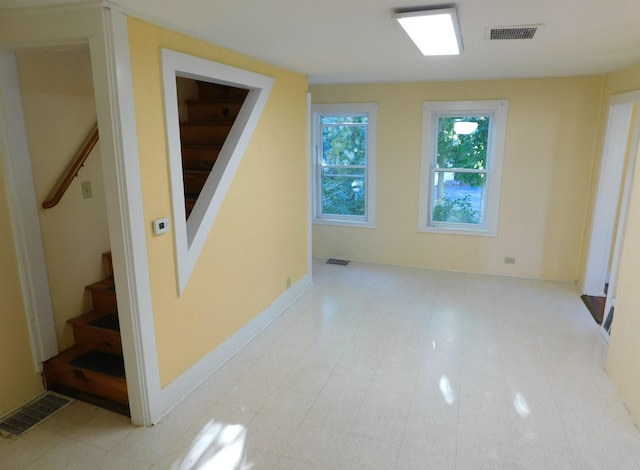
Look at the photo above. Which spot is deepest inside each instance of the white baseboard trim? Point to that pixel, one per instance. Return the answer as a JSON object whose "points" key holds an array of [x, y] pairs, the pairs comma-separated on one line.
{"points": [[169, 397]]}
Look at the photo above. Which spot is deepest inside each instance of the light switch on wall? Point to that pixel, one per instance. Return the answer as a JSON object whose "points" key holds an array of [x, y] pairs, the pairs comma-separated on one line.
{"points": [[86, 189], [161, 226]]}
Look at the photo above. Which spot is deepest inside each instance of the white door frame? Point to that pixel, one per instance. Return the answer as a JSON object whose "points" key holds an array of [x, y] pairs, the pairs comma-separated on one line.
{"points": [[622, 219], [607, 198], [23, 207], [106, 32]]}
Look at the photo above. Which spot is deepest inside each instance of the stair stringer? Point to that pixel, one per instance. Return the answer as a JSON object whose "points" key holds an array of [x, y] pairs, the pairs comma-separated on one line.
{"points": [[190, 235]]}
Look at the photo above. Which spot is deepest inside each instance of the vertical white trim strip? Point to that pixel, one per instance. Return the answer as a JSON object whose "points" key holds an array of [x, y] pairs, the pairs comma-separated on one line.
{"points": [[604, 212], [118, 137], [23, 207], [309, 185]]}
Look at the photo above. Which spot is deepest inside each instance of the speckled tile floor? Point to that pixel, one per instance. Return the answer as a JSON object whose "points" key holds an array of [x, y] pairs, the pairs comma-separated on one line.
{"points": [[380, 367]]}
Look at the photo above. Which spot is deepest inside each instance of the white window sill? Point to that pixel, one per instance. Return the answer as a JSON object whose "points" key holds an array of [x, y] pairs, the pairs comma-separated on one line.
{"points": [[459, 231], [344, 223]]}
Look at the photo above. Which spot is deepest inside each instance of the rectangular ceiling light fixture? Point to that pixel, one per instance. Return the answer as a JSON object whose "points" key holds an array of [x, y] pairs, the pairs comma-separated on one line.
{"points": [[435, 32]]}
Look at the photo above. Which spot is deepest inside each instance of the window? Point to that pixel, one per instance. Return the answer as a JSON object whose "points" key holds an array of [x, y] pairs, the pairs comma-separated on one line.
{"points": [[344, 164], [462, 151]]}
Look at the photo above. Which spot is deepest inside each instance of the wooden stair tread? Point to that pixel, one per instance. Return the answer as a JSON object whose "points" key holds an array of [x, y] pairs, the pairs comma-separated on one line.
{"points": [[208, 124], [207, 133], [106, 284], [218, 100], [98, 330], [202, 146], [214, 110], [103, 295], [93, 369], [95, 319], [89, 371], [207, 90], [107, 257], [84, 359]]}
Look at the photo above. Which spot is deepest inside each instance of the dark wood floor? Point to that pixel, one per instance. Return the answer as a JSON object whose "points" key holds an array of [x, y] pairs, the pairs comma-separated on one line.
{"points": [[595, 305]]}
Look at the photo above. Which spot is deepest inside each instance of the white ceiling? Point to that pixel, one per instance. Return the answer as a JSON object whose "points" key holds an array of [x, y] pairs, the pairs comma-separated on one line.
{"points": [[338, 41]]}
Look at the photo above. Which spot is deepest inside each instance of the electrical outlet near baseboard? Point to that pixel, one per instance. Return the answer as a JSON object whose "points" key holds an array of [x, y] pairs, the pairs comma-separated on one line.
{"points": [[509, 260]]}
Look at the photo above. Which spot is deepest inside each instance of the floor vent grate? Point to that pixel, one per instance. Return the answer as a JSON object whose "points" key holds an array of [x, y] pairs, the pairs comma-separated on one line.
{"points": [[339, 262], [16, 424]]}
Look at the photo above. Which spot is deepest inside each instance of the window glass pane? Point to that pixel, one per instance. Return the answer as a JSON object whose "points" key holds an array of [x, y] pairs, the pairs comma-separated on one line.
{"points": [[345, 119], [344, 144], [458, 198], [343, 191], [462, 142]]}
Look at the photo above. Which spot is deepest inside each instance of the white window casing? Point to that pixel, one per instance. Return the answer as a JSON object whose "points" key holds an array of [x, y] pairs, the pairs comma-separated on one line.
{"points": [[351, 109], [432, 111]]}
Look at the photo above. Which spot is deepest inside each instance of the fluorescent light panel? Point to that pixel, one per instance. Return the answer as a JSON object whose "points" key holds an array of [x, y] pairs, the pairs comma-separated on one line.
{"points": [[435, 32]]}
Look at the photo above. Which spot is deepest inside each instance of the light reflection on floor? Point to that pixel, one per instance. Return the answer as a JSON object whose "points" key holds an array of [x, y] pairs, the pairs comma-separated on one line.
{"points": [[217, 447], [521, 405], [381, 367], [446, 390]]}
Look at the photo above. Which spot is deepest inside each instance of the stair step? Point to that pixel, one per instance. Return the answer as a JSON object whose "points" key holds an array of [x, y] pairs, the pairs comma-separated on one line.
{"points": [[204, 133], [194, 181], [189, 202], [107, 258], [89, 371], [214, 110], [103, 296], [208, 90], [199, 157], [99, 331]]}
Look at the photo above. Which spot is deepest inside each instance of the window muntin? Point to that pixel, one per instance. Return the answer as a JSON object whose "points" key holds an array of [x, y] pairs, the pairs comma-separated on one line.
{"points": [[343, 164], [463, 145]]}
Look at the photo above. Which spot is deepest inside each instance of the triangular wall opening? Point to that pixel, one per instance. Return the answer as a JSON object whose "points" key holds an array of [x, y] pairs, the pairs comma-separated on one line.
{"points": [[224, 132], [207, 113]]}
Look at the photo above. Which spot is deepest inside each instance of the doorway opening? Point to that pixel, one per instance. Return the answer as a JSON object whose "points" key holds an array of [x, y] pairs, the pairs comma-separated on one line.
{"points": [[57, 107], [609, 217]]}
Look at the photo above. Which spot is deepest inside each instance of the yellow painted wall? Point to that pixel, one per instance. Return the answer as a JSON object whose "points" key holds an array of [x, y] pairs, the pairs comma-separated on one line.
{"points": [[623, 360], [259, 238], [621, 81], [21, 383], [59, 107], [550, 149]]}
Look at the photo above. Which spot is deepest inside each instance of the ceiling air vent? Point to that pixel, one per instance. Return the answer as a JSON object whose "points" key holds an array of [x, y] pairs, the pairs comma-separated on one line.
{"points": [[512, 32]]}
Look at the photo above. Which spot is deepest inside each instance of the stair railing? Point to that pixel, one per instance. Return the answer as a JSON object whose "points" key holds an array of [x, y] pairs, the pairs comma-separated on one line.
{"points": [[73, 170]]}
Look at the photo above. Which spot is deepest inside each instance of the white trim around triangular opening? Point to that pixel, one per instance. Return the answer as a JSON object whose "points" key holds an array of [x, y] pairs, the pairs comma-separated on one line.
{"points": [[190, 236]]}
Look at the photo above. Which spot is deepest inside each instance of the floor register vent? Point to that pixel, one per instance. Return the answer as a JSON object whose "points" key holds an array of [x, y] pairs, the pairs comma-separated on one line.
{"points": [[339, 262], [16, 424]]}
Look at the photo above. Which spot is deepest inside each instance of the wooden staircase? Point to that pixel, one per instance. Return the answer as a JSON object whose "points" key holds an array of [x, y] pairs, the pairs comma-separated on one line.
{"points": [[93, 369], [210, 118]]}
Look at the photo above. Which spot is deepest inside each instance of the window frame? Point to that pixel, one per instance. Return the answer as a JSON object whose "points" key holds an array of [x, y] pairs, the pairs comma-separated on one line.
{"points": [[431, 112], [343, 109]]}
